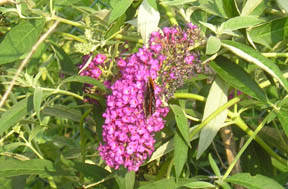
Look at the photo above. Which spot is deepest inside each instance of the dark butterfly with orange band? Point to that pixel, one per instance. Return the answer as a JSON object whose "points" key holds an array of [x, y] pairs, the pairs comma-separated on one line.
{"points": [[149, 98]]}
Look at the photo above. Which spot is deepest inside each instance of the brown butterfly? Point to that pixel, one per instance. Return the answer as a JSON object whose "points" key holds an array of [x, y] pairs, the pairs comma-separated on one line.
{"points": [[149, 98]]}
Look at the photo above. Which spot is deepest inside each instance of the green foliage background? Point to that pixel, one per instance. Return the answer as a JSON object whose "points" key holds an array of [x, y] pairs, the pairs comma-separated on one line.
{"points": [[49, 136]]}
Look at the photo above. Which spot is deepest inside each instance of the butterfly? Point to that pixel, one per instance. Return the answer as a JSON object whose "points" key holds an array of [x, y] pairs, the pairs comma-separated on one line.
{"points": [[149, 98]]}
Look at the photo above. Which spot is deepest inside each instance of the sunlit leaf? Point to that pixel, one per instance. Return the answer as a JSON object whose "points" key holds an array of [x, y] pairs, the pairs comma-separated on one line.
{"points": [[20, 40], [250, 55], [255, 182], [283, 118], [85, 79], [15, 114], [147, 20], [214, 166], [13, 167], [118, 8], [216, 98], [241, 22], [270, 33], [163, 183], [182, 122], [213, 45], [283, 4], [250, 6], [180, 153], [235, 76], [199, 184], [37, 99]]}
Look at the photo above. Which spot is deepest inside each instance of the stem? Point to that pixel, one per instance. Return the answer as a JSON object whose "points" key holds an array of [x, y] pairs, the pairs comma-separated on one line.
{"points": [[213, 115], [63, 92], [169, 168], [128, 38], [82, 134], [252, 134], [25, 61], [275, 55], [73, 23], [267, 83], [242, 125], [189, 96], [99, 182], [82, 141]]}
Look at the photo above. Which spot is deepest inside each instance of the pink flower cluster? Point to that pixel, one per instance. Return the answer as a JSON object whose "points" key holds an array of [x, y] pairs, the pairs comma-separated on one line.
{"points": [[181, 61], [127, 132], [92, 70]]}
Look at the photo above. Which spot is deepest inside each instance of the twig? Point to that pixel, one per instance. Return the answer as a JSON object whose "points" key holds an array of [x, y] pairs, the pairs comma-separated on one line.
{"points": [[25, 61]]}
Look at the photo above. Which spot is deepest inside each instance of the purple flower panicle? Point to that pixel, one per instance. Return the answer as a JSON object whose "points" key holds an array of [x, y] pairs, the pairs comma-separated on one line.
{"points": [[128, 134], [169, 59]]}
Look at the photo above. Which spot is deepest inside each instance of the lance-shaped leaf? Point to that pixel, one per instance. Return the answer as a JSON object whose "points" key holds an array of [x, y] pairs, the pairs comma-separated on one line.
{"points": [[118, 8], [270, 33], [241, 22], [250, 55], [182, 122], [84, 79], [180, 153], [14, 114], [217, 97], [236, 76], [147, 20], [13, 167], [255, 182], [20, 40]]}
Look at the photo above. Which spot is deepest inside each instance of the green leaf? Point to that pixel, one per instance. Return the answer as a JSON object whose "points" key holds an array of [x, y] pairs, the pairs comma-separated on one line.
{"points": [[209, 26], [223, 184], [147, 20], [254, 182], [180, 153], [118, 8], [20, 40], [164, 183], [15, 114], [64, 60], [90, 171], [214, 166], [153, 3], [230, 8], [199, 184], [213, 45], [11, 167], [241, 22], [215, 7], [182, 122], [283, 4], [63, 112], [249, 54], [235, 76], [65, 3], [129, 14], [283, 118], [129, 180], [176, 2], [270, 33], [256, 160], [216, 98], [250, 6], [37, 99], [84, 79]]}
